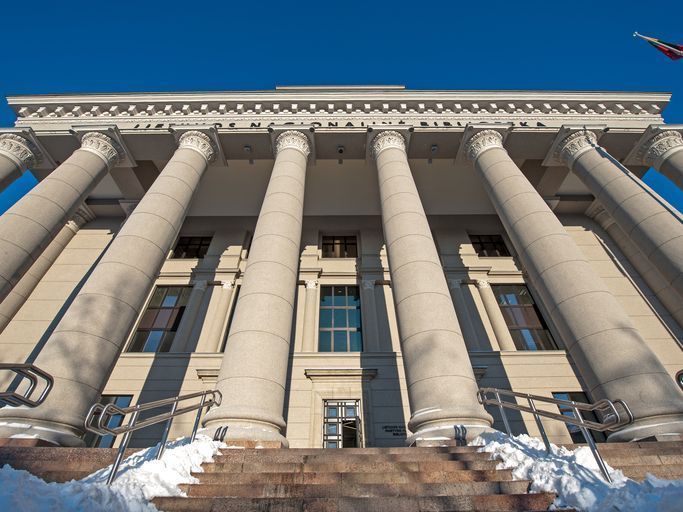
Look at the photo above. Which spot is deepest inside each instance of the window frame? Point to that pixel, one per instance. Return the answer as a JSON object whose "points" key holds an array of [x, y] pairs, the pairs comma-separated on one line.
{"points": [[333, 328], [517, 330], [177, 311], [202, 246], [502, 242], [343, 238]]}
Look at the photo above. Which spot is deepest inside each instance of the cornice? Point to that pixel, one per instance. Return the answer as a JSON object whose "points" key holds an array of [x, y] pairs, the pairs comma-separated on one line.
{"points": [[307, 104]]}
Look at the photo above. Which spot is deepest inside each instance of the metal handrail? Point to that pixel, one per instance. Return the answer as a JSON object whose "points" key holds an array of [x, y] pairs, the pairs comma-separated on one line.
{"points": [[99, 416], [34, 375], [613, 419]]}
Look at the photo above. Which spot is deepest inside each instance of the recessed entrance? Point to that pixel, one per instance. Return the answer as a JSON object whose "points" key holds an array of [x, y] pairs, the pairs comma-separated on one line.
{"points": [[341, 424]]}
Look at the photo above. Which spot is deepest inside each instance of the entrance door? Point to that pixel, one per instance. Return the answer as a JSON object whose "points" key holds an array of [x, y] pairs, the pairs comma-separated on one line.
{"points": [[342, 426]]}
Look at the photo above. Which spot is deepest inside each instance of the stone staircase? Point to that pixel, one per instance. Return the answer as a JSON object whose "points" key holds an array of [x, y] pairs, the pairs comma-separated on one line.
{"points": [[378, 479]]}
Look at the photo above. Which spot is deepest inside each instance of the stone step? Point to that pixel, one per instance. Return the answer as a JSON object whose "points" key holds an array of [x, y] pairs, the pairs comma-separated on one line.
{"points": [[664, 472], [285, 456], [489, 503], [360, 478], [345, 466], [630, 447], [62, 476], [624, 460], [350, 489]]}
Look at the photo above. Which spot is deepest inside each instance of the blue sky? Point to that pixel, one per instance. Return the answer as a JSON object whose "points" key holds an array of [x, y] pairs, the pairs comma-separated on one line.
{"points": [[75, 46]]}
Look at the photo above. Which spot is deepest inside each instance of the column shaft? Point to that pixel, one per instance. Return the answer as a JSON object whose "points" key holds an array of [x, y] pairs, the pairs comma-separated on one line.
{"points": [[20, 293], [253, 373], [654, 229], [84, 347], [9, 171], [441, 385], [671, 300], [610, 355], [308, 343], [500, 327], [33, 222]]}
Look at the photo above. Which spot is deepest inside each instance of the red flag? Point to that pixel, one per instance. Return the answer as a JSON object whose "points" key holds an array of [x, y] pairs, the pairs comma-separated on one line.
{"points": [[673, 51]]}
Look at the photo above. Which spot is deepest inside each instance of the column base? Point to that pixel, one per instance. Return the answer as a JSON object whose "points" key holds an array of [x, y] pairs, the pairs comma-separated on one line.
{"points": [[446, 435], [248, 434], [19, 430], [659, 427]]}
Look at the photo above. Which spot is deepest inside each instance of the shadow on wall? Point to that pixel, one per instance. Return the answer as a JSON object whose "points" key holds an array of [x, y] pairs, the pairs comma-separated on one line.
{"points": [[168, 371], [493, 374]]}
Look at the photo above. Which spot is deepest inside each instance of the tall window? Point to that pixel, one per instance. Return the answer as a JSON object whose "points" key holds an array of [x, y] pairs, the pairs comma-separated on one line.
{"points": [[527, 327], [160, 322], [191, 247], [487, 246], [340, 247], [574, 431], [93, 440], [340, 327]]}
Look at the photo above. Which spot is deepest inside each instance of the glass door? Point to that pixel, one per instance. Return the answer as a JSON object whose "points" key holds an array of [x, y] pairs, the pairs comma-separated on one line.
{"points": [[341, 424]]}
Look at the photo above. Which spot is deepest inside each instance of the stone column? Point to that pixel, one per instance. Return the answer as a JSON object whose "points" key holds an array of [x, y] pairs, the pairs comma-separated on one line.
{"points": [[33, 222], [612, 358], [308, 343], [84, 347], [16, 298], [664, 152], [498, 323], [16, 155], [671, 300], [253, 373], [654, 229], [182, 336], [441, 384]]}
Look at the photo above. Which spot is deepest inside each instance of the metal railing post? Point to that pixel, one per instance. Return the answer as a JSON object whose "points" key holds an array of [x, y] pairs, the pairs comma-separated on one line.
{"points": [[167, 429], [196, 420], [122, 449], [591, 444], [502, 413], [539, 423]]}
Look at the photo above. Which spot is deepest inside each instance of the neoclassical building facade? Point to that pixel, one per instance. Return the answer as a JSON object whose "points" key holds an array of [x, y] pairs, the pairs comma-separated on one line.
{"points": [[347, 265]]}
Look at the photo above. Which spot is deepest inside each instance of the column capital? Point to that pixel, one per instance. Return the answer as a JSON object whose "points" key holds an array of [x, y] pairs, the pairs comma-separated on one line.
{"points": [[482, 141], [199, 142], [572, 146], [482, 283], [387, 139], [228, 285], [19, 149], [311, 284], [652, 151], [103, 146], [292, 139]]}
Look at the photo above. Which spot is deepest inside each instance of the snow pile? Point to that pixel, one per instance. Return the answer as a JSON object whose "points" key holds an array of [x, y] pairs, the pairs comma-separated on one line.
{"points": [[576, 479], [139, 479]]}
